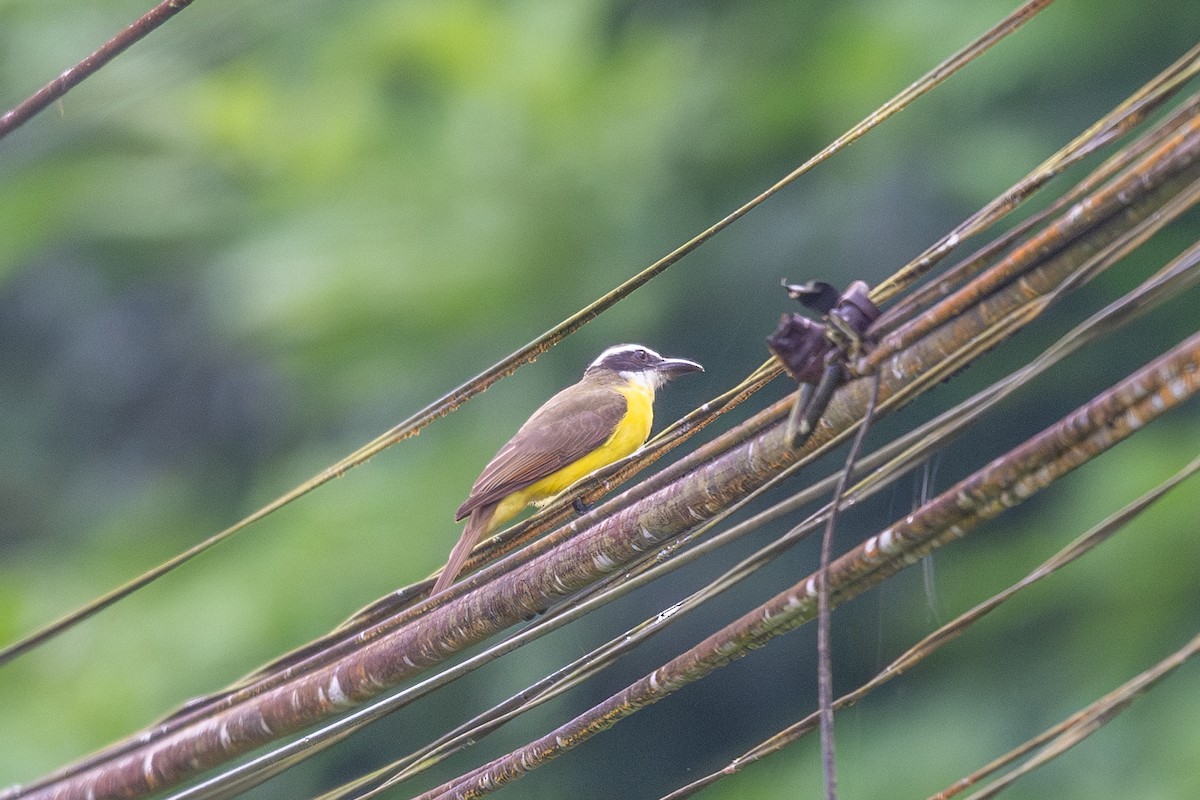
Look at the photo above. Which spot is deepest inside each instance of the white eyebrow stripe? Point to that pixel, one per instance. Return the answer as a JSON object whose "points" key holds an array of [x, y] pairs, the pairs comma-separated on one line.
{"points": [[621, 348]]}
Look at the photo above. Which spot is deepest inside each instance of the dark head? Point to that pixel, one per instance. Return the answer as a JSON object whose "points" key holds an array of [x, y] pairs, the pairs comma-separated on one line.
{"points": [[637, 363]]}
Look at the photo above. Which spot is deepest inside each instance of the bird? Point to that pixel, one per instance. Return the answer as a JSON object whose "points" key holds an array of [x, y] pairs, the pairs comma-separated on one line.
{"points": [[604, 417]]}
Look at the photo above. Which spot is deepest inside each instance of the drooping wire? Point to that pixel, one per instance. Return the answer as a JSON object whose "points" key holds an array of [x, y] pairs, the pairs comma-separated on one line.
{"points": [[878, 469]]}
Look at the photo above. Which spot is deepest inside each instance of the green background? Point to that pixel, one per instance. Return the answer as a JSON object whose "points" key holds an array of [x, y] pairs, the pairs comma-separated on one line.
{"points": [[272, 230]]}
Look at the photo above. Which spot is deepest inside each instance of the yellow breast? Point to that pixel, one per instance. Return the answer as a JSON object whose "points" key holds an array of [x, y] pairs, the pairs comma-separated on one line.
{"points": [[631, 432]]}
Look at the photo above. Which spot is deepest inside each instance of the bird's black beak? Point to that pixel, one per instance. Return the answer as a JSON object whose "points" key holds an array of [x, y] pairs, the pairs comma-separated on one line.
{"points": [[670, 367]]}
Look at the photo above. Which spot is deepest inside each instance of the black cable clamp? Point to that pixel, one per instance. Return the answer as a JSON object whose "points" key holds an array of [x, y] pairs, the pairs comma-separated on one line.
{"points": [[815, 353]]}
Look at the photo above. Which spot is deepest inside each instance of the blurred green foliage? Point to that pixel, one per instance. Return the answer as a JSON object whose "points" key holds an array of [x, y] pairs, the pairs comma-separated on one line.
{"points": [[269, 231]]}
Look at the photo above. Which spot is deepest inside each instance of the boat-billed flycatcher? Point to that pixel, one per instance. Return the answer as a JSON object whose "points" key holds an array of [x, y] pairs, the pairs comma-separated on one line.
{"points": [[604, 417]]}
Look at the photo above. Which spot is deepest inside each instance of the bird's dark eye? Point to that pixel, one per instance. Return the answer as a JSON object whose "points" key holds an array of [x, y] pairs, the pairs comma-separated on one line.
{"points": [[642, 355]]}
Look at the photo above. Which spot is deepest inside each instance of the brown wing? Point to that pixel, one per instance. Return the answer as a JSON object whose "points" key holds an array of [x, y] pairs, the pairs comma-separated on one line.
{"points": [[570, 425]]}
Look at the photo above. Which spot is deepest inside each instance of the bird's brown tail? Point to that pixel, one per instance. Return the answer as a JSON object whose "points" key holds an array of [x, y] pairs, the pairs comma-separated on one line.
{"points": [[477, 525]]}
